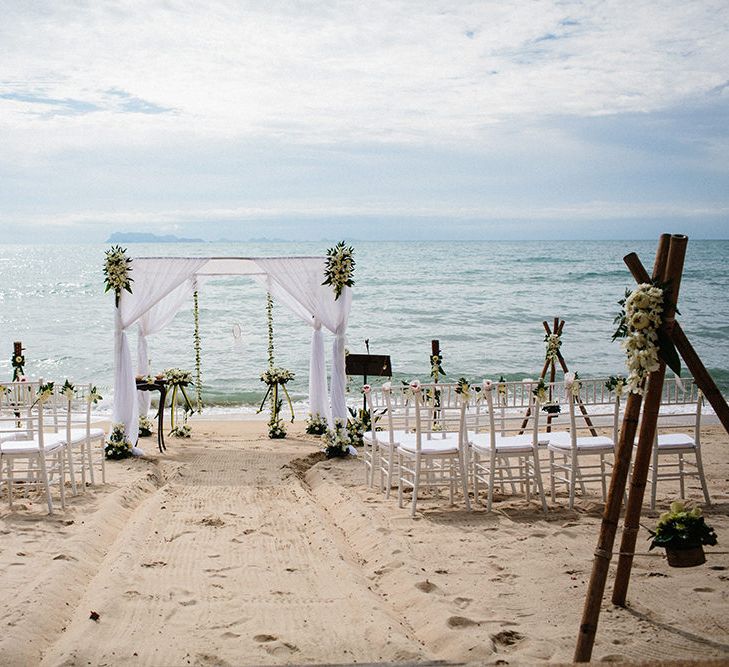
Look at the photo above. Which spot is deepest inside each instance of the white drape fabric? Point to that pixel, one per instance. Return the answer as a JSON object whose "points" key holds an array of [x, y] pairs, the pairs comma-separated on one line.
{"points": [[296, 282], [154, 320], [161, 285]]}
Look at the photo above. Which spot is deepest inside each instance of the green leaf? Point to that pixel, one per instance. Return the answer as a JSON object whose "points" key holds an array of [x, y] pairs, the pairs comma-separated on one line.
{"points": [[667, 352]]}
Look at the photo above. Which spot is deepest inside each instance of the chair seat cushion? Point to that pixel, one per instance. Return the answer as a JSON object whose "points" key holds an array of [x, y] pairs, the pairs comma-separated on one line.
{"points": [[383, 437], [676, 441], [51, 442], [599, 443], [482, 441], [437, 445], [78, 435]]}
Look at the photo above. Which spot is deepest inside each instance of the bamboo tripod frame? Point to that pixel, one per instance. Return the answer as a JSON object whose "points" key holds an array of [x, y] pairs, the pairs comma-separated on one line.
{"points": [[668, 269], [557, 327]]}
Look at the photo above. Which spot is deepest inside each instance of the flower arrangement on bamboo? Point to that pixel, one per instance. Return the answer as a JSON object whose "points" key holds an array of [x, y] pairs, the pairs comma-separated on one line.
{"points": [[117, 269], [117, 445], [316, 424], [339, 270], [275, 378], [554, 342], [178, 379], [639, 324], [18, 363]]}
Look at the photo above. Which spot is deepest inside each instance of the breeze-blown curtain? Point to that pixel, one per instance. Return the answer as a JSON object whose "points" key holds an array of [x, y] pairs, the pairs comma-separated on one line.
{"points": [[296, 282]]}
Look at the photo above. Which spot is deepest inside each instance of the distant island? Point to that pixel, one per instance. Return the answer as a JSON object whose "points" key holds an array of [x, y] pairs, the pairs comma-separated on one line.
{"points": [[143, 237]]}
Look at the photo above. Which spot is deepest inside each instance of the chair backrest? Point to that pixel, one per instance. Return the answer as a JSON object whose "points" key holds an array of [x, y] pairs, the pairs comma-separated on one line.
{"points": [[681, 407], [598, 407], [507, 410]]}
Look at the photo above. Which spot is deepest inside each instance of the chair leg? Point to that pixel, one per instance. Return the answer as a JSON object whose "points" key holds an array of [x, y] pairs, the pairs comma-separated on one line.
{"points": [[573, 481], [603, 479], [44, 479], [416, 483], [654, 477], [490, 497], [551, 475], [90, 459], [540, 483], [464, 479], [10, 483], [702, 478], [681, 476], [62, 479], [71, 470], [399, 480]]}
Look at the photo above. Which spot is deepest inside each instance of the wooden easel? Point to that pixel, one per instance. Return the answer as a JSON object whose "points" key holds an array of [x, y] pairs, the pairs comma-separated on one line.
{"points": [[667, 269], [549, 365]]}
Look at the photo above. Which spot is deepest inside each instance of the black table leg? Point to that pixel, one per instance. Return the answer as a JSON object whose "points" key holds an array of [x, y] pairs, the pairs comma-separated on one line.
{"points": [[161, 419]]}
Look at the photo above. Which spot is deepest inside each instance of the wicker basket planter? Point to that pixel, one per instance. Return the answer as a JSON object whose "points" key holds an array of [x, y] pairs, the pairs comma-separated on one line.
{"points": [[686, 557]]}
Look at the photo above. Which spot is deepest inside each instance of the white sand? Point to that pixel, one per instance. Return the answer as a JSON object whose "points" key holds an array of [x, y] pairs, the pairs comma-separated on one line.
{"points": [[234, 549]]}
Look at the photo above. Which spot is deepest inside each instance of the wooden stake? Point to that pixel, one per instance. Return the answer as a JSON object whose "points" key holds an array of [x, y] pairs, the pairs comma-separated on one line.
{"points": [[611, 514], [646, 438]]}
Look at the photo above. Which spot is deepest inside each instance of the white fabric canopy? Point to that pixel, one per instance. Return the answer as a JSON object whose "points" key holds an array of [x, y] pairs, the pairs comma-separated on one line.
{"points": [[162, 284]]}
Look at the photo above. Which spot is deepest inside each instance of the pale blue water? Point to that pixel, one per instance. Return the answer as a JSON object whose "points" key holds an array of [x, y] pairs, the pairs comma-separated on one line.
{"points": [[484, 301]]}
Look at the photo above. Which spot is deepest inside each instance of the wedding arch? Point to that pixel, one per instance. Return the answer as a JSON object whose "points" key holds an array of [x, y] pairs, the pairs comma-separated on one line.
{"points": [[161, 285]]}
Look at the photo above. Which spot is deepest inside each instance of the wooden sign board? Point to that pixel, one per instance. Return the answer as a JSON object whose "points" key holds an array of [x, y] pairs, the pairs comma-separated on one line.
{"points": [[368, 364]]}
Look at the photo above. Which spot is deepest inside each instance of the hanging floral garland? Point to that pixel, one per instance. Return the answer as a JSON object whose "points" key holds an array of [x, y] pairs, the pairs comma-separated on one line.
{"points": [[117, 269], [198, 373], [275, 378], [339, 270], [554, 342], [639, 324]]}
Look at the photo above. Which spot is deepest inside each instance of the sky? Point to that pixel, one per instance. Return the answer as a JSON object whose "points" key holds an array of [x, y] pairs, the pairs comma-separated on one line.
{"points": [[394, 119]]}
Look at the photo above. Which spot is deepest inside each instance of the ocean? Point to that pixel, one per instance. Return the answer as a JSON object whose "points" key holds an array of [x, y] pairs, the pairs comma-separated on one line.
{"points": [[484, 301]]}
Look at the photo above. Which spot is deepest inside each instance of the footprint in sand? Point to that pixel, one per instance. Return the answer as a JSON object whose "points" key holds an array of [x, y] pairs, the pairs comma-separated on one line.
{"points": [[704, 589], [460, 622], [507, 638], [426, 586], [462, 603], [262, 639]]}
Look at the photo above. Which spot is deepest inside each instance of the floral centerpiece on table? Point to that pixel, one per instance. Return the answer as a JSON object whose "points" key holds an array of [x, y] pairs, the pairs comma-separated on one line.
{"points": [[339, 270], [117, 268], [117, 445], [178, 379], [683, 530]]}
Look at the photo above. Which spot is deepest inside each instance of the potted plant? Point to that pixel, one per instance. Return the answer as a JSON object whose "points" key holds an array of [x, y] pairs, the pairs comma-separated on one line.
{"points": [[683, 533]]}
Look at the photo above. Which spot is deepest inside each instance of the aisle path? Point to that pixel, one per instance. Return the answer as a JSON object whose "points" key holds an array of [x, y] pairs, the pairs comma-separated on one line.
{"points": [[231, 563]]}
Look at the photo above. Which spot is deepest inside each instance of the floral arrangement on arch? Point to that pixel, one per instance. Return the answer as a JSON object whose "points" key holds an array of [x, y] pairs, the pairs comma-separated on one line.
{"points": [[116, 271], [117, 445], [339, 269]]}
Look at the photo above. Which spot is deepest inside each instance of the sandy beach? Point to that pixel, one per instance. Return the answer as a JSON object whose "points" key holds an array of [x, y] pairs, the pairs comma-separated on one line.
{"points": [[234, 549]]}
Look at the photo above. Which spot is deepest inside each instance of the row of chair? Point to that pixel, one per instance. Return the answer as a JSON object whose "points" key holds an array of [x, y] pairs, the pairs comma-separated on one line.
{"points": [[502, 435], [47, 438]]}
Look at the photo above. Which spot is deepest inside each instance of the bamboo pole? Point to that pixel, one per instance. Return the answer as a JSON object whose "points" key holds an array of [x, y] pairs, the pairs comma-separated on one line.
{"points": [[654, 393], [611, 514]]}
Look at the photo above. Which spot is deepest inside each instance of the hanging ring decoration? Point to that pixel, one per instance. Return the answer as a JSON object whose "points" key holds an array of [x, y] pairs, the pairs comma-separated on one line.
{"points": [[237, 331]]}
